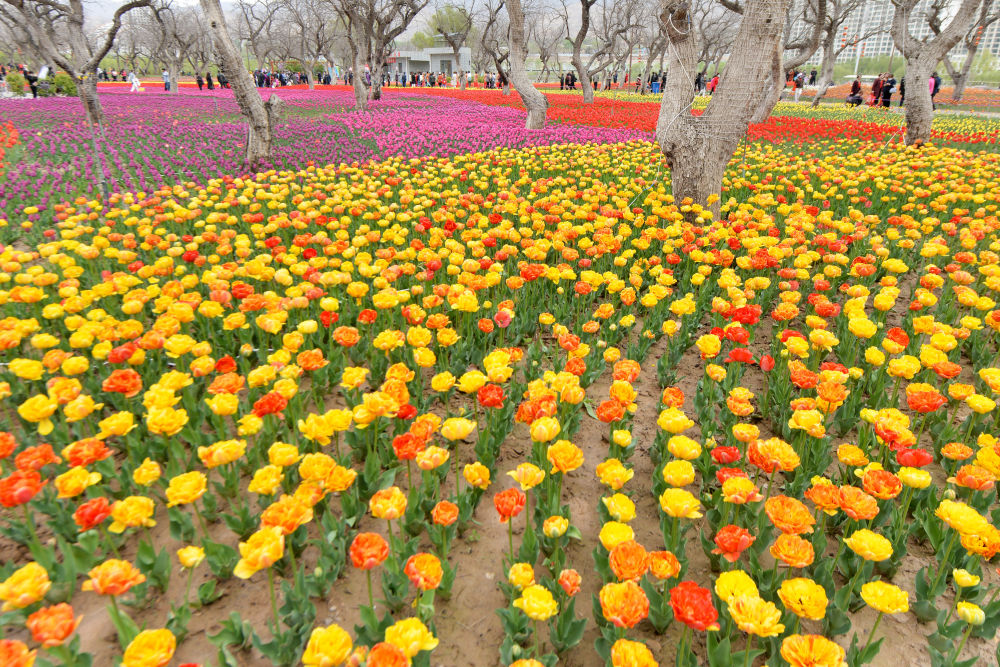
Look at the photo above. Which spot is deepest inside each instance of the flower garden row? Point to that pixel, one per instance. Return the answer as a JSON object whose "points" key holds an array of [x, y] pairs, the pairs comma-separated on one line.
{"points": [[153, 140], [315, 377]]}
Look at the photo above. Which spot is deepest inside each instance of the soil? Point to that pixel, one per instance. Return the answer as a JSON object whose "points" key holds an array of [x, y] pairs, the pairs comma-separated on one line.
{"points": [[467, 625]]}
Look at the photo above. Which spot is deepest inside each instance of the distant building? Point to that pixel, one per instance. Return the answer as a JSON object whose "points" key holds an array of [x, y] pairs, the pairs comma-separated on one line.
{"points": [[869, 26], [434, 59]]}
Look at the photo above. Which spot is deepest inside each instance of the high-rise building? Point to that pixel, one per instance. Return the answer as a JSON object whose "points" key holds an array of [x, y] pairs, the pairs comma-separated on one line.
{"points": [[866, 32]]}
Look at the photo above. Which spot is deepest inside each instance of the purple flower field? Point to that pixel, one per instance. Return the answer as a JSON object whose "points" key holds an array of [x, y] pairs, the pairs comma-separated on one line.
{"points": [[151, 140]]}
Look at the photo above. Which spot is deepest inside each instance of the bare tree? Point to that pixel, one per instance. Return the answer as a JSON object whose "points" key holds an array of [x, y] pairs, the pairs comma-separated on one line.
{"points": [[987, 16], [922, 56], [611, 22], [533, 99], [795, 50], [374, 26], [306, 19], [454, 23], [494, 44], [838, 12], [653, 38], [254, 21], [179, 29], [716, 27], [546, 32], [698, 148], [261, 116], [55, 30]]}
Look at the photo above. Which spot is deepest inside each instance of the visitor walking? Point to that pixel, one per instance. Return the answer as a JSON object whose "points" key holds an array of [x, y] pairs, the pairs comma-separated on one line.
{"points": [[208, 81], [902, 90], [166, 80], [800, 82], [812, 78], [200, 81], [713, 84], [135, 82], [935, 87]]}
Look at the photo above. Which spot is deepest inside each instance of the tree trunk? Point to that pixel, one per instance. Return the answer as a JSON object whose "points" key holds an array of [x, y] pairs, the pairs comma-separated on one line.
{"points": [[259, 116], [86, 90], [826, 68], [377, 84], [360, 89], [922, 56], [773, 88], [534, 101], [586, 85], [173, 69], [462, 81], [961, 77], [310, 78], [583, 72], [919, 107], [698, 148]]}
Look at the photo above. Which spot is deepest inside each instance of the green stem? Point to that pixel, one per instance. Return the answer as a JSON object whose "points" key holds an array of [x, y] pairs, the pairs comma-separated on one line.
{"points": [[510, 538], [187, 588], [538, 652], [30, 523], [944, 561], [274, 602], [746, 656], [371, 599], [201, 520], [961, 645], [871, 635]]}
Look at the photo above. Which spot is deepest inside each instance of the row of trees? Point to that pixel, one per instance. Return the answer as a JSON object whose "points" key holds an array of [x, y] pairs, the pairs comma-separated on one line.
{"points": [[763, 39]]}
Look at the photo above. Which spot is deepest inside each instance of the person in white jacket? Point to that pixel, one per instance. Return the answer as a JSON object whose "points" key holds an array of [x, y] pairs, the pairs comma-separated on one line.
{"points": [[135, 82]]}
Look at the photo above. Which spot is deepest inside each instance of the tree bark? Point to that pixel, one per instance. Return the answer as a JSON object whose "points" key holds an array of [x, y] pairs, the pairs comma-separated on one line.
{"points": [[534, 101], [260, 116], [698, 148], [86, 90], [961, 77], [922, 56], [826, 67], [174, 70], [773, 88], [583, 71]]}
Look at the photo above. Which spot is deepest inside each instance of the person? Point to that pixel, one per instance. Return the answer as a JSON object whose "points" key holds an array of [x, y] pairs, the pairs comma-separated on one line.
{"points": [[223, 81], [166, 80], [800, 82], [699, 82], [854, 99], [812, 77], [876, 91], [209, 83], [902, 90], [713, 84], [200, 81], [888, 88], [32, 82], [135, 82], [935, 86]]}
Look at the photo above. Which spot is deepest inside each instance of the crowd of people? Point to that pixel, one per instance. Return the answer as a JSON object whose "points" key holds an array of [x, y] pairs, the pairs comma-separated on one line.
{"points": [[883, 88]]}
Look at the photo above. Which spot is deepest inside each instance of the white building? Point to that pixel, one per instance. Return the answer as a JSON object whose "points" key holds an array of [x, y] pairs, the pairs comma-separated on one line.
{"points": [[867, 32], [434, 59]]}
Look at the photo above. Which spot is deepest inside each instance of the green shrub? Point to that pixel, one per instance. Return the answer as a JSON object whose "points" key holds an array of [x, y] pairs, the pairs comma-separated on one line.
{"points": [[64, 84], [16, 83]]}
